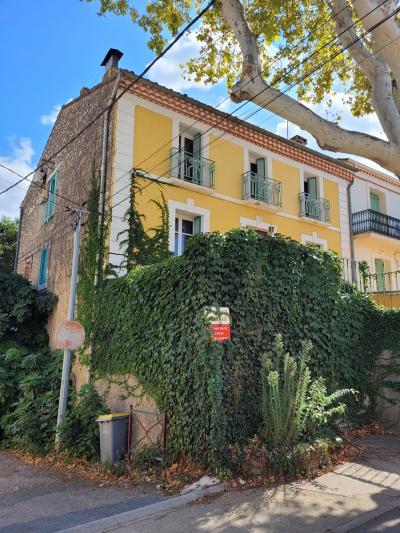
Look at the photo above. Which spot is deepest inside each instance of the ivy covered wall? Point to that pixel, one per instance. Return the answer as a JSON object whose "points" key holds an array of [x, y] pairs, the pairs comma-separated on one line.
{"points": [[151, 324]]}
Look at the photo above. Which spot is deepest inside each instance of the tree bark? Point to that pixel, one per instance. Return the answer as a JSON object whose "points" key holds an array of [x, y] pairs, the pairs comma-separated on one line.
{"points": [[327, 134]]}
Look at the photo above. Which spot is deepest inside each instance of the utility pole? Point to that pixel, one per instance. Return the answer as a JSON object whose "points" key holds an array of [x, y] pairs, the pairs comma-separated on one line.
{"points": [[66, 369]]}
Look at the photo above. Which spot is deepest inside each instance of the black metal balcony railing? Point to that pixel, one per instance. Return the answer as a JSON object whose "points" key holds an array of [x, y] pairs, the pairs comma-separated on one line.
{"points": [[317, 208], [370, 220], [185, 166], [261, 188]]}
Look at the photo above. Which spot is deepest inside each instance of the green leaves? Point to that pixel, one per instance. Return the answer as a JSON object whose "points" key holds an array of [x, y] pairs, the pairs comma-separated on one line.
{"points": [[150, 324]]}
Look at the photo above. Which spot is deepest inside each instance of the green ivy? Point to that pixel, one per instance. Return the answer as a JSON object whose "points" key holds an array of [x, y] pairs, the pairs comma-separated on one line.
{"points": [[150, 324]]}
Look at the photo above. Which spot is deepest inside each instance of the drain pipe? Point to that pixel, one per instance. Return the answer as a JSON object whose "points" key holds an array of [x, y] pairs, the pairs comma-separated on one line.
{"points": [[21, 213], [102, 192], [352, 254]]}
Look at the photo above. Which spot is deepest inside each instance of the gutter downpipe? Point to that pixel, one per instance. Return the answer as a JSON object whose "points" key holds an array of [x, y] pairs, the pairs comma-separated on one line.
{"points": [[352, 254], [21, 212], [102, 187]]}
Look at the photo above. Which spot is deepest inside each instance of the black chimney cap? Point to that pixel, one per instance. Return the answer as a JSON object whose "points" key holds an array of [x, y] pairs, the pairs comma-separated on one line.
{"points": [[112, 53]]}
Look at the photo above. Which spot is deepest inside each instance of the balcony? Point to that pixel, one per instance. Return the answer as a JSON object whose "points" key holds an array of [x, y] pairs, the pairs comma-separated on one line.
{"points": [[261, 189], [316, 208], [369, 220], [186, 167]]}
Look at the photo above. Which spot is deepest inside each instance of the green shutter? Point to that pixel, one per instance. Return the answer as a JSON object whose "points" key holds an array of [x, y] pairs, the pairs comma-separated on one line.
{"points": [[313, 187], [260, 162], [374, 201], [51, 201], [197, 158], [380, 275], [43, 268], [197, 225]]}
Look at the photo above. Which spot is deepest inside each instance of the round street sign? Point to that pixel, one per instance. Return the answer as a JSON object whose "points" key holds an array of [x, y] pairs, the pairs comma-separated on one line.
{"points": [[70, 335]]}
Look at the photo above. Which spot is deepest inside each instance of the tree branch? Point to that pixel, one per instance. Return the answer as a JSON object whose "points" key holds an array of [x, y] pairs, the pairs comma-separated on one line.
{"points": [[387, 35], [376, 71], [328, 135]]}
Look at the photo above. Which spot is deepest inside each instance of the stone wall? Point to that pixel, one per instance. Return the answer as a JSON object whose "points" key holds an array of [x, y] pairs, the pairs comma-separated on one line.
{"points": [[75, 164], [388, 412]]}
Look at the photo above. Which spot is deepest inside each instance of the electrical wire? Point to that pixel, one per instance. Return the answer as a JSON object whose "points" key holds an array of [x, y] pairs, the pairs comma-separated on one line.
{"points": [[242, 87], [119, 96], [293, 84]]}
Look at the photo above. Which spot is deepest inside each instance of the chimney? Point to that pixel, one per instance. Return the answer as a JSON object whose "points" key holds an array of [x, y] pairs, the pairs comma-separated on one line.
{"points": [[299, 140], [110, 62]]}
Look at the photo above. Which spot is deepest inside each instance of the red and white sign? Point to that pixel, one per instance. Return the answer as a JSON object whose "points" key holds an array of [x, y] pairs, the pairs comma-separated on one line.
{"points": [[70, 335], [220, 323]]}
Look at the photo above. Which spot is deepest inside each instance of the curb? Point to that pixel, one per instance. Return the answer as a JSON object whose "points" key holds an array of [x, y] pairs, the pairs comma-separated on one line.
{"points": [[365, 518], [122, 519]]}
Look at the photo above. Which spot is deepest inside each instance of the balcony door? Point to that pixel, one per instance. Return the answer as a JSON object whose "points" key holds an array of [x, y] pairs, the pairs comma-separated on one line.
{"points": [[190, 150], [374, 202], [312, 206], [258, 184]]}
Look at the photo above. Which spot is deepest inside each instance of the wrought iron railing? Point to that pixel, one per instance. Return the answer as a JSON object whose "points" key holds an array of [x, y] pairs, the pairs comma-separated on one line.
{"points": [[185, 166], [261, 188], [370, 220], [384, 287], [317, 208]]}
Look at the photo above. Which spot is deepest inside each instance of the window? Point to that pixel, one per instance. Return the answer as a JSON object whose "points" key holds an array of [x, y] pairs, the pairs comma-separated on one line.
{"points": [[51, 201], [185, 228], [375, 204], [311, 186], [257, 166], [42, 281], [190, 148]]}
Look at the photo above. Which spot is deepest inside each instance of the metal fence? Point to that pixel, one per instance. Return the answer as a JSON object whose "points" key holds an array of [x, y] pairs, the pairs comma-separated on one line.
{"points": [[318, 208], [384, 287], [147, 428], [370, 220]]}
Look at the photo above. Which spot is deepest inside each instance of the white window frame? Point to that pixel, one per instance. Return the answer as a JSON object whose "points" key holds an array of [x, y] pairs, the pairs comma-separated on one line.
{"points": [[181, 217], [314, 239], [180, 209], [305, 174]]}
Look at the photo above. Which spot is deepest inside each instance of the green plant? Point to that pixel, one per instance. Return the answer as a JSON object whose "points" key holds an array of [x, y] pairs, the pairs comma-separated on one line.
{"points": [[29, 415], [147, 456], [8, 243], [150, 324], [29, 371], [139, 246], [294, 405], [79, 432]]}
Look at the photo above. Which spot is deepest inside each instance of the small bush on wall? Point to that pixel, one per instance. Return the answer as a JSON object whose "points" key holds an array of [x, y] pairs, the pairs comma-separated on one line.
{"points": [[151, 324]]}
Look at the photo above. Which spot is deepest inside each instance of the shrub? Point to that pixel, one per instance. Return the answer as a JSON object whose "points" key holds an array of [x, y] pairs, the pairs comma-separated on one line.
{"points": [[29, 414], [293, 405], [149, 324], [29, 371], [79, 432]]}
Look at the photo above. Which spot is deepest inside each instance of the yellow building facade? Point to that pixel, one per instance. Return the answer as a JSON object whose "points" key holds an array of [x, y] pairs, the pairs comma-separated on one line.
{"points": [[217, 173]]}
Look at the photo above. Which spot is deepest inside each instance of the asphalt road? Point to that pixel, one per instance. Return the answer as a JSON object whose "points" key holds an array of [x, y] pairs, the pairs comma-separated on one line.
{"points": [[37, 499]]}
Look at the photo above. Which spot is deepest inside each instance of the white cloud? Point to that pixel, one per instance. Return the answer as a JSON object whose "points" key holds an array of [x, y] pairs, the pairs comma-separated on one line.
{"points": [[20, 160], [368, 124], [51, 117], [167, 71]]}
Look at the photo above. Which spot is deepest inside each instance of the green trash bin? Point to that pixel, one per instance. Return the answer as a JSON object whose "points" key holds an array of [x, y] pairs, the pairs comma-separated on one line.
{"points": [[113, 437]]}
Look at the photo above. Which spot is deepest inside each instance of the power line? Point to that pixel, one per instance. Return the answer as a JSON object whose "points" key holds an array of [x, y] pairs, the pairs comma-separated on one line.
{"points": [[243, 86], [304, 77], [279, 79], [118, 97]]}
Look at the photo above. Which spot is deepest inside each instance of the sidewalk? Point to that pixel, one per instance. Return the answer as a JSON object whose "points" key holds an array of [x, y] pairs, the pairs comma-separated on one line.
{"points": [[361, 496]]}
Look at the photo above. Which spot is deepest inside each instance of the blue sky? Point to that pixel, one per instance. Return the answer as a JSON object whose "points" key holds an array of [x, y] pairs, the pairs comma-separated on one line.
{"points": [[50, 49]]}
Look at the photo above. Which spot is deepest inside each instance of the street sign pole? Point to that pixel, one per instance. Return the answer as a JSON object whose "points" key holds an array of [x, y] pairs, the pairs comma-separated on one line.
{"points": [[66, 369]]}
